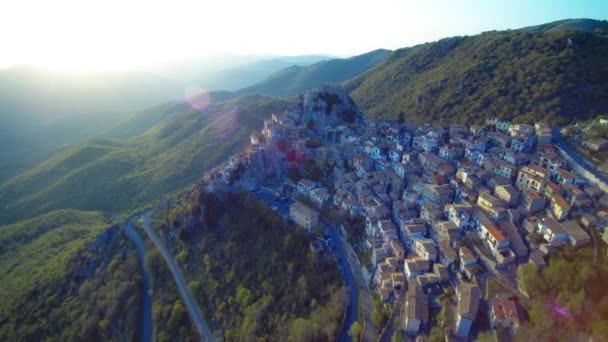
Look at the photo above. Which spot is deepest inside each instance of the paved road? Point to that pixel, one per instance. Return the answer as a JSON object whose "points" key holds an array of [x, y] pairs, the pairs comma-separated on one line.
{"points": [[557, 138], [191, 305], [339, 251], [369, 330], [146, 322], [340, 254]]}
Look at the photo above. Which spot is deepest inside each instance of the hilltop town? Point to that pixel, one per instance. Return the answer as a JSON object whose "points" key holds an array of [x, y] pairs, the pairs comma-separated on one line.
{"points": [[446, 214]]}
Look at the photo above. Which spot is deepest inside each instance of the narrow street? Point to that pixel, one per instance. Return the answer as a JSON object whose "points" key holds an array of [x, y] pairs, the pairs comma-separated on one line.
{"points": [[585, 164], [369, 333], [347, 271], [392, 325]]}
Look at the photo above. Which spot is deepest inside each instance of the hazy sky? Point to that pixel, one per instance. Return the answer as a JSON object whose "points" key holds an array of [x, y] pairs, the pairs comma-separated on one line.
{"points": [[122, 34]]}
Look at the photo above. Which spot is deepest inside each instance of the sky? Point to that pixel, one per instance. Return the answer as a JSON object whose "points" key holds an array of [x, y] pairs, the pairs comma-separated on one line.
{"points": [[125, 34]]}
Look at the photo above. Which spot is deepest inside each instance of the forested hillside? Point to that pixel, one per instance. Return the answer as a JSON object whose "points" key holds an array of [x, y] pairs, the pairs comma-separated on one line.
{"points": [[252, 273], [568, 298], [555, 72], [115, 175], [41, 111], [38, 272]]}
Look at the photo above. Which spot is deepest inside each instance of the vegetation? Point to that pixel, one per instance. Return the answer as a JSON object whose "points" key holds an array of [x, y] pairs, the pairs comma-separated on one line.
{"points": [[34, 251], [253, 274], [116, 175], [169, 316], [568, 297], [68, 109], [54, 287], [552, 74], [380, 314], [356, 331]]}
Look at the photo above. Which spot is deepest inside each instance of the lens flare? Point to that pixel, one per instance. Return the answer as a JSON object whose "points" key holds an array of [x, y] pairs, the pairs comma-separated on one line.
{"points": [[225, 123], [197, 98], [559, 310]]}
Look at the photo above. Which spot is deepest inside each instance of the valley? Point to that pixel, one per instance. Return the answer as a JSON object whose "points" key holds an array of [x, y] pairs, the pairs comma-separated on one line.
{"points": [[438, 191]]}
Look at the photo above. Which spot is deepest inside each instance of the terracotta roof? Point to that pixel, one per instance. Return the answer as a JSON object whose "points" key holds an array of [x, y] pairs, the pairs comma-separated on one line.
{"points": [[417, 305], [466, 254], [495, 232], [553, 186], [417, 264], [505, 307], [469, 297], [565, 174], [559, 200], [554, 226], [447, 251]]}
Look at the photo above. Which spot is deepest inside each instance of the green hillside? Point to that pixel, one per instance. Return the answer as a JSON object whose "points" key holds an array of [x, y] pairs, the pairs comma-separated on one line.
{"points": [[295, 80], [34, 251], [554, 72], [265, 285], [115, 175], [586, 25], [65, 276], [41, 111]]}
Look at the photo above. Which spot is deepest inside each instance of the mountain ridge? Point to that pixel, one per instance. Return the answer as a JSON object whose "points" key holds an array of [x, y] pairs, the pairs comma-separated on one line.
{"points": [[552, 75], [114, 175], [294, 80]]}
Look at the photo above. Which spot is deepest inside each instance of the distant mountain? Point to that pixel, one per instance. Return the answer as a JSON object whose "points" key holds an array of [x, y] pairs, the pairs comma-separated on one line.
{"points": [[557, 72], [41, 111], [230, 72], [29, 93], [112, 175], [249, 74], [296, 79]]}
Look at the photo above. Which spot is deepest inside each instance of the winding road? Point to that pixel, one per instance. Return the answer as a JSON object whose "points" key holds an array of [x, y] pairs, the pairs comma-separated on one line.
{"points": [[195, 313], [146, 322]]}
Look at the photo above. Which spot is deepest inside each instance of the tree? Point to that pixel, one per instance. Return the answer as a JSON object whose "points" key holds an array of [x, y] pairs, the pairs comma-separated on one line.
{"points": [[529, 277], [356, 331], [301, 331], [485, 337], [182, 256], [379, 318], [178, 313]]}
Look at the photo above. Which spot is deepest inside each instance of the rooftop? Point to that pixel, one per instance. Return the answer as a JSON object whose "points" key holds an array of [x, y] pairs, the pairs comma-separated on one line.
{"points": [[469, 297], [303, 209]]}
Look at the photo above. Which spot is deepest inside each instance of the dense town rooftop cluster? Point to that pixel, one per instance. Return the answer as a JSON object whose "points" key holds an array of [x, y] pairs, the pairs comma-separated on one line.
{"points": [[442, 204]]}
